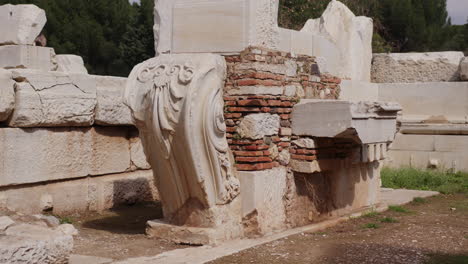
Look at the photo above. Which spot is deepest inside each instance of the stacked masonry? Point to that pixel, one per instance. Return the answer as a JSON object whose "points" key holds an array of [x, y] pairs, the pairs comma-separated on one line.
{"points": [[432, 89], [66, 138], [261, 89]]}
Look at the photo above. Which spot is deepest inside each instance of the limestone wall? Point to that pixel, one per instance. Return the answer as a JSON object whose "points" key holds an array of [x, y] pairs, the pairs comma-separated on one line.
{"points": [[433, 126], [416, 67], [67, 143]]}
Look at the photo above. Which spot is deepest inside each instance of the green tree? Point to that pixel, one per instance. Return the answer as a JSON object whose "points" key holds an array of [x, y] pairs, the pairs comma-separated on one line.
{"points": [[111, 35]]}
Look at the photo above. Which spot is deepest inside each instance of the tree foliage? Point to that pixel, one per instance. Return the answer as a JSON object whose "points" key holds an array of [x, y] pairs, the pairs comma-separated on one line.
{"points": [[111, 35], [399, 25], [114, 35]]}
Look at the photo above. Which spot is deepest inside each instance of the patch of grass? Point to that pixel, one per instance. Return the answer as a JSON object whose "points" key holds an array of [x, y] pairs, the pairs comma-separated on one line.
{"points": [[370, 214], [419, 200], [388, 220], [398, 209], [65, 220], [371, 226], [414, 179]]}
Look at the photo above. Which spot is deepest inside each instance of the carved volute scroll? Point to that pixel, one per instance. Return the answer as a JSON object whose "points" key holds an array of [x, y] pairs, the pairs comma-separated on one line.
{"points": [[177, 105]]}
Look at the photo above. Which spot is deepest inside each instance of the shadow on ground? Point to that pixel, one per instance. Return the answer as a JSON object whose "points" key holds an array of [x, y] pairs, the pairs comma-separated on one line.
{"points": [[124, 219]]}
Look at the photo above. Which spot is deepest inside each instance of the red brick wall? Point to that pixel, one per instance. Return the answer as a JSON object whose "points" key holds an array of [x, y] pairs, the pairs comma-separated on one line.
{"points": [[297, 76]]}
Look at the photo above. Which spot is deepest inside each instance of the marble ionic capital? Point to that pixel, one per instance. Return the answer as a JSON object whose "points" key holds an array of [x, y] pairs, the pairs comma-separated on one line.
{"points": [[177, 105]]}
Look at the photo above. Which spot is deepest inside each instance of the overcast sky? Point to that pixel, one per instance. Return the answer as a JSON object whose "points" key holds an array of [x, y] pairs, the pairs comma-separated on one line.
{"points": [[457, 9]]}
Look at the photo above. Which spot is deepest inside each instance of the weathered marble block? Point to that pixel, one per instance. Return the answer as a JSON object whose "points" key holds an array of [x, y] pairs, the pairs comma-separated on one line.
{"points": [[110, 109], [7, 95], [416, 67], [431, 103], [35, 155], [25, 243], [364, 122], [70, 64], [27, 57], [346, 32], [183, 26], [53, 99], [20, 24]]}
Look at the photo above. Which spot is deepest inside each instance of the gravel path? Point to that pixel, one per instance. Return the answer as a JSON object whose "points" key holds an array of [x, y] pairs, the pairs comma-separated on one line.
{"points": [[432, 231]]}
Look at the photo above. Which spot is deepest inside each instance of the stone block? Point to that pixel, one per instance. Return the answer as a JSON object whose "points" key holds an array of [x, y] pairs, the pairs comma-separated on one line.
{"points": [[330, 118], [464, 69], [83, 194], [53, 99], [35, 244], [21, 24], [434, 129], [40, 155], [358, 91], [416, 67], [262, 198], [413, 142], [364, 122], [256, 126], [110, 109], [70, 64], [137, 153], [456, 161], [193, 25], [449, 143], [347, 32], [435, 102], [7, 95], [27, 57]]}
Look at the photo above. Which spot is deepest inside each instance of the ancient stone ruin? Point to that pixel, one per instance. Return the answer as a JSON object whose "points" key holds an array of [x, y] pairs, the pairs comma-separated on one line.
{"points": [[241, 123], [240, 129]]}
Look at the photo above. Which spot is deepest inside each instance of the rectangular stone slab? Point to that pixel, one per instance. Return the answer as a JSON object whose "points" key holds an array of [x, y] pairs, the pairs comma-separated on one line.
{"points": [[27, 57], [110, 109], [53, 99], [198, 27], [364, 122], [40, 155]]}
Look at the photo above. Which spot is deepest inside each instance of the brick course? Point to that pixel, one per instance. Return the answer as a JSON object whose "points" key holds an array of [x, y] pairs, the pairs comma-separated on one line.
{"points": [[268, 70]]}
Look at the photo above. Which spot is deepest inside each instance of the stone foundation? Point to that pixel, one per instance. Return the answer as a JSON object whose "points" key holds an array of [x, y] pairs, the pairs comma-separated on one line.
{"points": [[53, 156]]}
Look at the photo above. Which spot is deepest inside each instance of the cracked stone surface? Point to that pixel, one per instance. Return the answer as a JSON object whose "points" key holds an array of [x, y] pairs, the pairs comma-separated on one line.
{"points": [[53, 99], [26, 243]]}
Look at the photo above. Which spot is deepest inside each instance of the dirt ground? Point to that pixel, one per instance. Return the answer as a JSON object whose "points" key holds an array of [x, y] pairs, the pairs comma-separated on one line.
{"points": [[119, 234], [432, 231]]}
